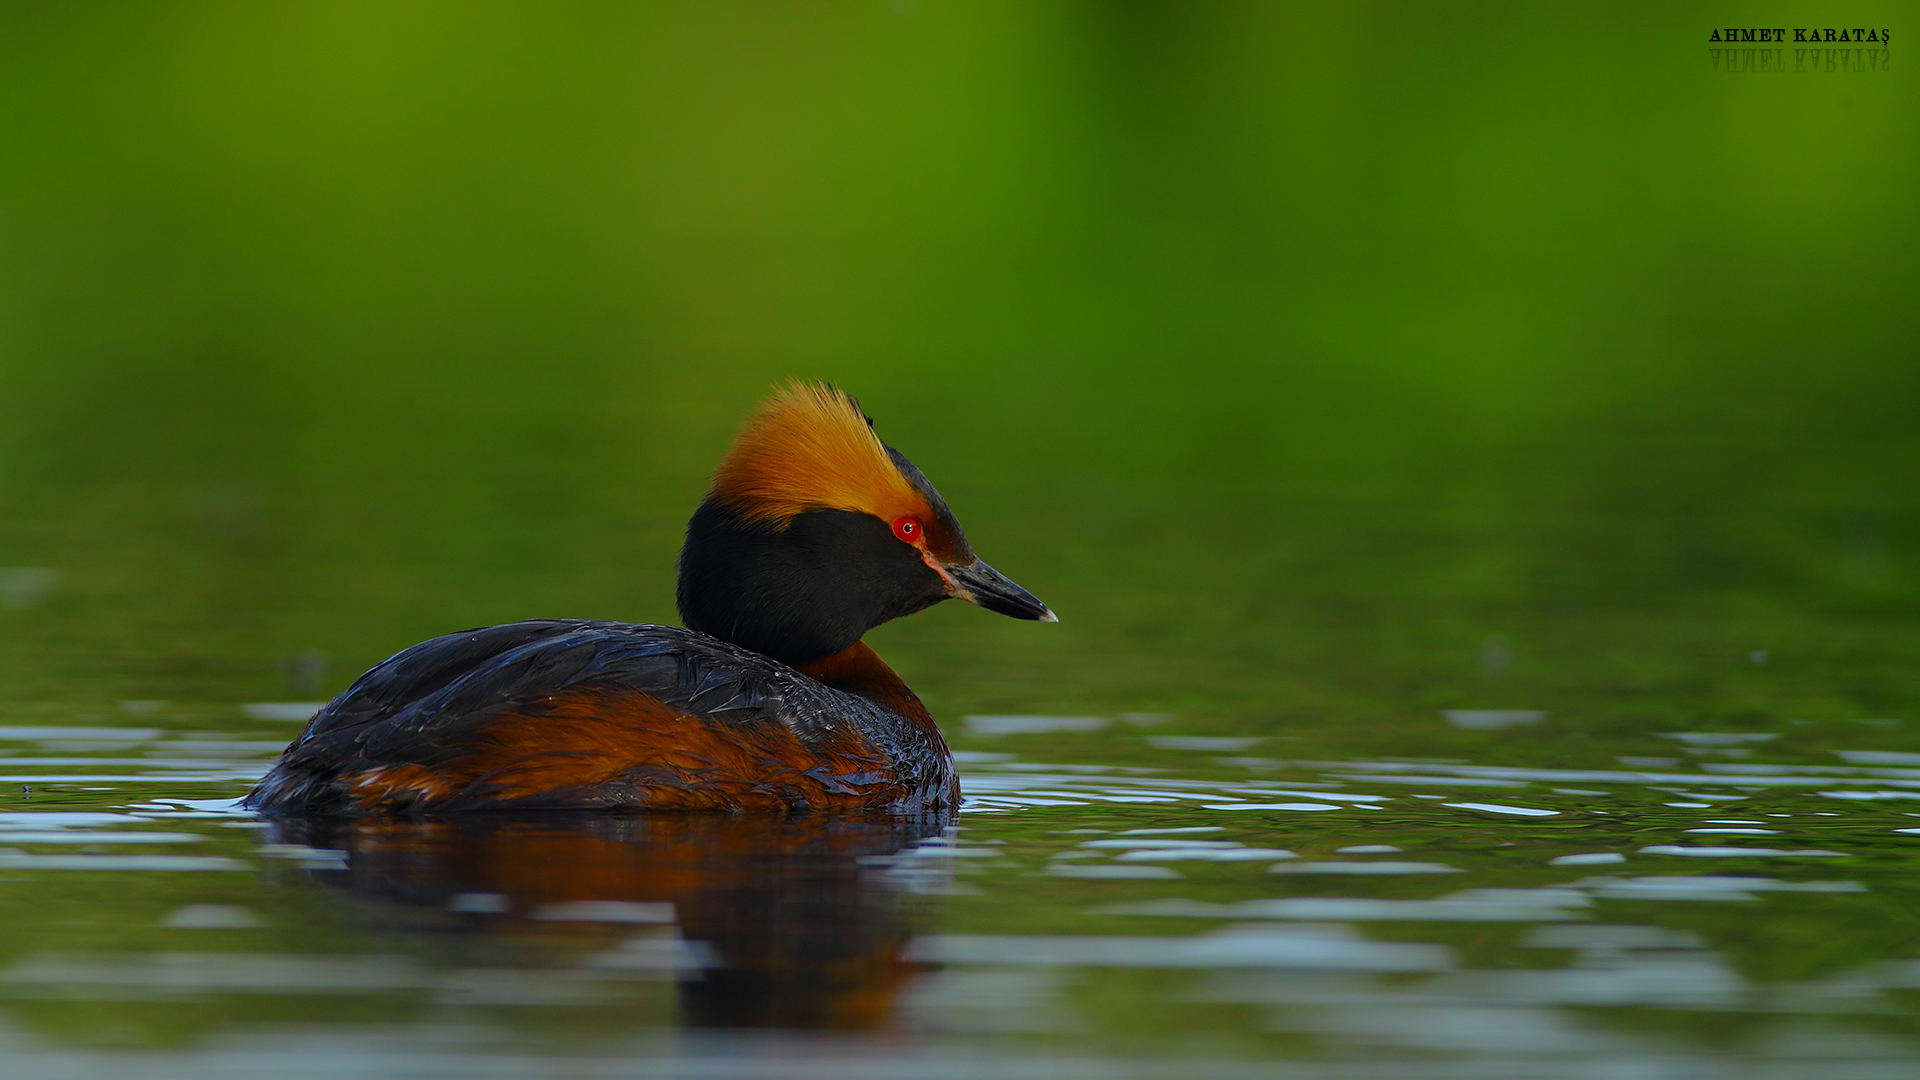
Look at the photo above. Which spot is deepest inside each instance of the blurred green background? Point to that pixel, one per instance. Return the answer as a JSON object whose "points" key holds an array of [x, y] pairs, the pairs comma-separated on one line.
{"points": [[1322, 365]]}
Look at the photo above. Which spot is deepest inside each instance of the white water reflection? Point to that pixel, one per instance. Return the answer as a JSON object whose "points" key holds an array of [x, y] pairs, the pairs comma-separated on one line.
{"points": [[1599, 936], [16, 835], [40, 819], [1032, 725], [213, 917], [1110, 872], [1217, 744], [1738, 832], [1740, 852], [1472, 905], [1290, 806], [605, 911], [246, 775], [1705, 888], [1135, 841], [144, 976], [1492, 719], [1712, 773], [1503, 808], [1455, 1029], [1429, 781], [1226, 854], [16, 860], [1171, 830], [1878, 757], [112, 737], [291, 711], [975, 1000], [1327, 948], [662, 955], [1719, 738], [1381, 867]]}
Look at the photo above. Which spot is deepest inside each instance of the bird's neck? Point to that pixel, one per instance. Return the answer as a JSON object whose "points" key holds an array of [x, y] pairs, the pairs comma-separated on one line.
{"points": [[799, 594], [859, 670]]}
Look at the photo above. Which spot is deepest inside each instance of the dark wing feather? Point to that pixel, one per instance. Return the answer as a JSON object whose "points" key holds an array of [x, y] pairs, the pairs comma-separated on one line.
{"points": [[424, 706], [418, 672]]}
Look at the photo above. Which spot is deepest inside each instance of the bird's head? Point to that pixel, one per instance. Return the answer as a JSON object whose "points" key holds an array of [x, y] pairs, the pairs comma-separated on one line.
{"points": [[815, 532]]}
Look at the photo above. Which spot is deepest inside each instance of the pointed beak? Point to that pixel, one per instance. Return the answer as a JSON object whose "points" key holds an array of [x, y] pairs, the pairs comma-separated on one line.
{"points": [[982, 584]]}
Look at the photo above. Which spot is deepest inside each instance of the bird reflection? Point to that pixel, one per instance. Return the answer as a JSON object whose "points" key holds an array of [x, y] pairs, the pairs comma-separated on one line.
{"points": [[781, 923]]}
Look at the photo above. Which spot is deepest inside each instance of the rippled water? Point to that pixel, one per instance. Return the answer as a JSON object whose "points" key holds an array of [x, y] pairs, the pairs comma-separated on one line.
{"points": [[1228, 911]]}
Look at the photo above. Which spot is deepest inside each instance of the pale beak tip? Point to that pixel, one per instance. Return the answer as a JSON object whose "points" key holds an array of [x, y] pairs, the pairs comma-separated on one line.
{"points": [[1049, 616]]}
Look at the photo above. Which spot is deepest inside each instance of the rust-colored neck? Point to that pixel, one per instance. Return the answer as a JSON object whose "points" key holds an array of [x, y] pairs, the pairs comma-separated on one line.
{"points": [[859, 670]]}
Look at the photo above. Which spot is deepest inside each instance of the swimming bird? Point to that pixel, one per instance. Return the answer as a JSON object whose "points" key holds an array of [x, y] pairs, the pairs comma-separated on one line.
{"points": [[813, 532]]}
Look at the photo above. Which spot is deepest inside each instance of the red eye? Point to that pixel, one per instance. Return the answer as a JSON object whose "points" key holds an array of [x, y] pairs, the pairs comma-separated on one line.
{"points": [[908, 529]]}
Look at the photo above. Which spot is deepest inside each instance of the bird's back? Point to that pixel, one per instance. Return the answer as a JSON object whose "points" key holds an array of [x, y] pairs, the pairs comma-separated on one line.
{"points": [[578, 714]]}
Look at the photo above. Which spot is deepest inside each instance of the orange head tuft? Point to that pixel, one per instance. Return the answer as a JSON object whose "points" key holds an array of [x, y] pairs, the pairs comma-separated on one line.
{"points": [[811, 448]]}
